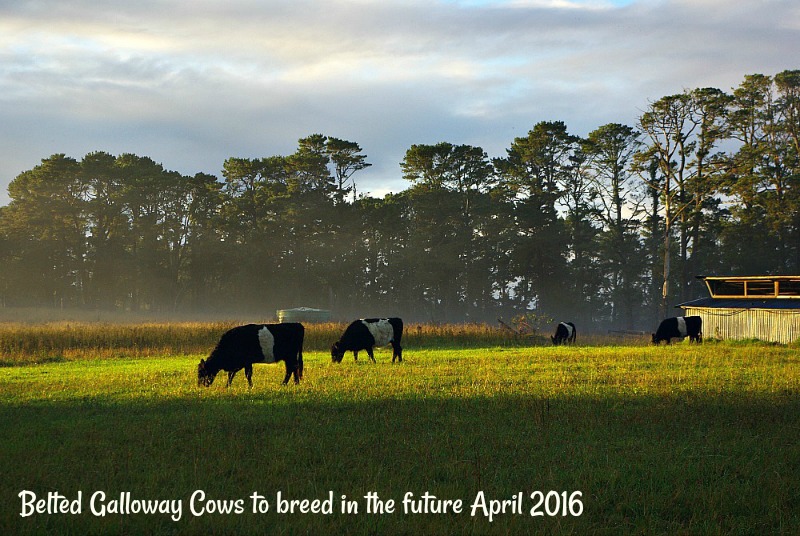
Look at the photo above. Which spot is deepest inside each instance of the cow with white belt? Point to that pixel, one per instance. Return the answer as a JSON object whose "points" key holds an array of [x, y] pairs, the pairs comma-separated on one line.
{"points": [[679, 327]]}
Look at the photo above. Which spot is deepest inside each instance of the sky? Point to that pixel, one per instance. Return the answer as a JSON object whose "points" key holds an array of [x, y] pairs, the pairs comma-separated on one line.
{"points": [[191, 84]]}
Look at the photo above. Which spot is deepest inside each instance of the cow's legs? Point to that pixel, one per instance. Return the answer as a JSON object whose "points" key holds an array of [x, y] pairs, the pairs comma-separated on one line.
{"points": [[297, 374], [300, 363], [371, 355], [355, 355], [231, 374], [293, 369], [397, 351], [248, 373]]}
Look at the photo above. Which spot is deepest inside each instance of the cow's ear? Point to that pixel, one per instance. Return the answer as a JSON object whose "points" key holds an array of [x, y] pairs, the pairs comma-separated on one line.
{"points": [[202, 362]]}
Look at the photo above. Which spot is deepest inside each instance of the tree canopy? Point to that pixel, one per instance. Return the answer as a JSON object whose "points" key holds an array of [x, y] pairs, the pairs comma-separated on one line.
{"points": [[608, 230]]}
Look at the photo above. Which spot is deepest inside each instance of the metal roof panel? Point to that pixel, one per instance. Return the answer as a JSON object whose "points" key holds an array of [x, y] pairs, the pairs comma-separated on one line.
{"points": [[738, 303]]}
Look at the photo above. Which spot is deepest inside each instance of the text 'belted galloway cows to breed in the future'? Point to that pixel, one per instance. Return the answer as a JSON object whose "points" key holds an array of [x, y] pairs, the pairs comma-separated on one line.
{"points": [[242, 346], [565, 333], [679, 327], [367, 333]]}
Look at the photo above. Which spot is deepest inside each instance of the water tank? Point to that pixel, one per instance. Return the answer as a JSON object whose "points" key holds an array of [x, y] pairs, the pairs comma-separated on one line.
{"points": [[303, 314]]}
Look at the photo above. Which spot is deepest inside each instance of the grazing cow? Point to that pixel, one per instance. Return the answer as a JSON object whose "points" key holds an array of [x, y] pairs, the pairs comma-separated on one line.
{"points": [[565, 333], [242, 346], [679, 327], [369, 332]]}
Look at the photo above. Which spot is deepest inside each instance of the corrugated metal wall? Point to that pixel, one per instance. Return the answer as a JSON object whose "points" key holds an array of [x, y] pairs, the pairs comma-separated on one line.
{"points": [[776, 325]]}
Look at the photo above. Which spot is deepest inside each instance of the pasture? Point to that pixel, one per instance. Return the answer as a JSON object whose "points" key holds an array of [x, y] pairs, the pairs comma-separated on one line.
{"points": [[670, 440]]}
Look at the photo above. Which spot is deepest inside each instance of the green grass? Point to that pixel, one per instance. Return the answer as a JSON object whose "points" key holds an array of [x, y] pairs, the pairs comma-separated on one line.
{"points": [[678, 440]]}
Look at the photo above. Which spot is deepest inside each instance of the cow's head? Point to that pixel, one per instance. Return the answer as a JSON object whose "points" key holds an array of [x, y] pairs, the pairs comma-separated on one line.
{"points": [[656, 340], [204, 376], [337, 354]]}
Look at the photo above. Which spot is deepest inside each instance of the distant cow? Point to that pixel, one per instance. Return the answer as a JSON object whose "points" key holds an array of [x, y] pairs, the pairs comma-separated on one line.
{"points": [[565, 333], [679, 327], [242, 346], [365, 334]]}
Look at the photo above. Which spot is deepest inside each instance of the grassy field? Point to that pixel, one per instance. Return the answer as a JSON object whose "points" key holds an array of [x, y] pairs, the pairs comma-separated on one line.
{"points": [[670, 440]]}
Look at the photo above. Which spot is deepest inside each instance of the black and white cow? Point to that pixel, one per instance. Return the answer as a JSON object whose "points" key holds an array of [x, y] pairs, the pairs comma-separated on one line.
{"points": [[679, 327], [365, 334], [242, 346], [565, 333]]}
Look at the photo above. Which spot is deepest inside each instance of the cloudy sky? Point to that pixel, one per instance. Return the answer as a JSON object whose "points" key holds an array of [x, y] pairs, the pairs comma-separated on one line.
{"points": [[190, 84]]}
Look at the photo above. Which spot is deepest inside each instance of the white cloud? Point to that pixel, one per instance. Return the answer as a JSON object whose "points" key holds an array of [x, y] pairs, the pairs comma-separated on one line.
{"points": [[192, 86]]}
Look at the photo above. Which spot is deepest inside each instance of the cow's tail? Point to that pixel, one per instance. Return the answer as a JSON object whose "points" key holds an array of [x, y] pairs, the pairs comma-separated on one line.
{"points": [[300, 352], [398, 330], [300, 362]]}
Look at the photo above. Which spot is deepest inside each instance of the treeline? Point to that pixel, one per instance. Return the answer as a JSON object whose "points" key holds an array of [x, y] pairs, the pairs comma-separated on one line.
{"points": [[607, 230]]}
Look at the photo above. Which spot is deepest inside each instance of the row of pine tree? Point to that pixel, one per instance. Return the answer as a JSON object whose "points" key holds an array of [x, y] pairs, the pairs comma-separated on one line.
{"points": [[608, 230]]}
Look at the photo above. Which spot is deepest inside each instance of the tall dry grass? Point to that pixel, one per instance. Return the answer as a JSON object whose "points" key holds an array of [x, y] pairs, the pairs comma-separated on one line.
{"points": [[22, 342]]}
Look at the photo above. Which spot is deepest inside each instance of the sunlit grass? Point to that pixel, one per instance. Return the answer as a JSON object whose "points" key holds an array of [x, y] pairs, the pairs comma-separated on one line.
{"points": [[535, 371], [684, 439]]}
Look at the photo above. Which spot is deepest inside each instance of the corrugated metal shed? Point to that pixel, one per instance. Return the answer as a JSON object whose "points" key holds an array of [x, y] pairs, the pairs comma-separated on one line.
{"points": [[772, 319]]}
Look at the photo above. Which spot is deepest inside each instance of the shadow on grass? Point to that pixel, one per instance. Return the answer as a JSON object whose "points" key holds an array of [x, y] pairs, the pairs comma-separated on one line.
{"points": [[31, 361], [655, 465]]}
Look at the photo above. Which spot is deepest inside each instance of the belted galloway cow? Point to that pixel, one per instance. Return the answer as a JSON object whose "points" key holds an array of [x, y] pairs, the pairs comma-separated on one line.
{"points": [[565, 333], [367, 333], [240, 347], [679, 327]]}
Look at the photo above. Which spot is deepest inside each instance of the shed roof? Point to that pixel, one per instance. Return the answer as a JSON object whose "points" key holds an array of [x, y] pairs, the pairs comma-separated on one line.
{"points": [[748, 277], [759, 287], [738, 303]]}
